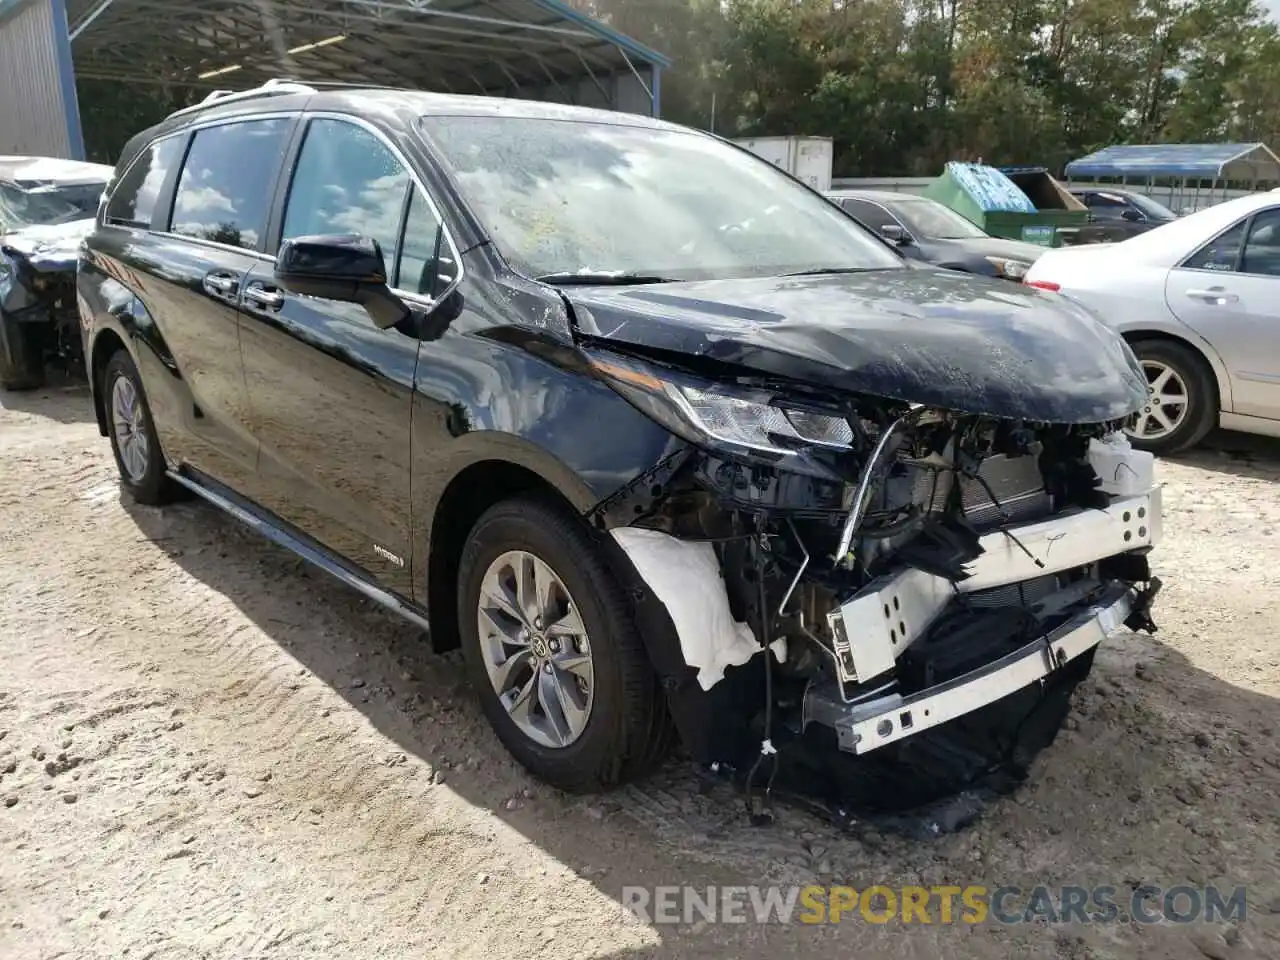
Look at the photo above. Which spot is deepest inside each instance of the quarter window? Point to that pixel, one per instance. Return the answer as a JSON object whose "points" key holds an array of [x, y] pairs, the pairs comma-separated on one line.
{"points": [[225, 189], [133, 204], [1262, 249], [1221, 254], [1105, 206], [426, 264], [347, 181]]}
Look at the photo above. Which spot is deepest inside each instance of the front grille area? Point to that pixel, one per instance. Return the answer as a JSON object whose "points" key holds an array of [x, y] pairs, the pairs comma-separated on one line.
{"points": [[1025, 594], [1015, 482]]}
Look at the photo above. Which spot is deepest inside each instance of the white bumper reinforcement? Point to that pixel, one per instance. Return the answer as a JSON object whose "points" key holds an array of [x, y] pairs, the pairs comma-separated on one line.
{"points": [[861, 728], [876, 627]]}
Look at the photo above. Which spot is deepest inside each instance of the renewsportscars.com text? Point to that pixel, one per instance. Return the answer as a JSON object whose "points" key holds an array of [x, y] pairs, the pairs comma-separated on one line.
{"points": [[970, 904]]}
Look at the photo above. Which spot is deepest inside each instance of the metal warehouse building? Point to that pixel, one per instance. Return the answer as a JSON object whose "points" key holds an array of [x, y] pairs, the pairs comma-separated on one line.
{"points": [[535, 49]]}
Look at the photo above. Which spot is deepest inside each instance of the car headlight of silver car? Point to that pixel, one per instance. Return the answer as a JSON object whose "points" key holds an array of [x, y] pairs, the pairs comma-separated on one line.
{"points": [[1008, 267], [723, 416]]}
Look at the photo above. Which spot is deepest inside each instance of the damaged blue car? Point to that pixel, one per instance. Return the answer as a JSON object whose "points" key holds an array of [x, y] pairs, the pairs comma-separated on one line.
{"points": [[46, 208]]}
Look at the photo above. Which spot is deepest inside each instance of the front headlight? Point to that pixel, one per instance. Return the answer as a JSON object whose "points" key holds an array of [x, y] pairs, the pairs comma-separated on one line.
{"points": [[718, 415], [1008, 268]]}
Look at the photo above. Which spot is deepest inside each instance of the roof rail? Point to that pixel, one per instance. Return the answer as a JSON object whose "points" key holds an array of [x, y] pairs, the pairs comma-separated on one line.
{"points": [[319, 85], [271, 88]]}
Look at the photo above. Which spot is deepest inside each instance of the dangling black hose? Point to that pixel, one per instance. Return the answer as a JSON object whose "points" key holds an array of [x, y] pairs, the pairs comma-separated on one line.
{"points": [[765, 815]]}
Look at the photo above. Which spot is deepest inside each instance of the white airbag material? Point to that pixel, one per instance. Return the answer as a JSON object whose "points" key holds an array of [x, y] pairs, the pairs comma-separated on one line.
{"points": [[686, 577]]}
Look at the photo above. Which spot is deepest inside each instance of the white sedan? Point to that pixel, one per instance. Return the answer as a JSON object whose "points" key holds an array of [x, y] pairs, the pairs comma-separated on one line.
{"points": [[1198, 299]]}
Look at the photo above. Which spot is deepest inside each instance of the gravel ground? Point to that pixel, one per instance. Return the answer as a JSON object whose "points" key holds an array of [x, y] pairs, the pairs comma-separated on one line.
{"points": [[208, 750]]}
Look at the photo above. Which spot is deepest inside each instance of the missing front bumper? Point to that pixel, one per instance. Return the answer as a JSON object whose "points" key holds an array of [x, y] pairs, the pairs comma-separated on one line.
{"points": [[871, 724], [875, 627]]}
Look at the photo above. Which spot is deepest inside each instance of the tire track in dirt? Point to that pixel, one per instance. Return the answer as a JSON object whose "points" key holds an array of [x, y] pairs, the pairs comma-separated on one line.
{"points": [[247, 675]]}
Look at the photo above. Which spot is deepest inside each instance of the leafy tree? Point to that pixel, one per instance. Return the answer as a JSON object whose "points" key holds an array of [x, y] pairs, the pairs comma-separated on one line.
{"points": [[902, 86]]}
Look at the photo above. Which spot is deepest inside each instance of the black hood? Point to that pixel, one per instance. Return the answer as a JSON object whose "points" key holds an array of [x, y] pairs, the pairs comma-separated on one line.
{"points": [[925, 335]]}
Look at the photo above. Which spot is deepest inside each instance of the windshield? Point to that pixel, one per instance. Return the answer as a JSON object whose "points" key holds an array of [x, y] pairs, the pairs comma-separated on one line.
{"points": [[22, 207], [930, 220], [564, 197], [1154, 210]]}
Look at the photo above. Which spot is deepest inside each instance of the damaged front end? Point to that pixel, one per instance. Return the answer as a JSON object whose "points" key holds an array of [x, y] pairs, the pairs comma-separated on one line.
{"points": [[908, 566], [39, 322]]}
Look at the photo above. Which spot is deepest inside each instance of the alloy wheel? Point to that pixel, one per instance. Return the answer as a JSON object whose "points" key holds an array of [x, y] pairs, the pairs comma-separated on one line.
{"points": [[536, 649], [129, 423], [1168, 403]]}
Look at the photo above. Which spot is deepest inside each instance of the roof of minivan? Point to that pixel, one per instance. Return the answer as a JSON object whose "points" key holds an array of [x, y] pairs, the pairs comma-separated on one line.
{"points": [[388, 106], [454, 104]]}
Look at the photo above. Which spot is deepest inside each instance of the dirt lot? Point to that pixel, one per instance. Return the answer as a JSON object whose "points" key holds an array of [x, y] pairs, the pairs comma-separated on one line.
{"points": [[207, 750]]}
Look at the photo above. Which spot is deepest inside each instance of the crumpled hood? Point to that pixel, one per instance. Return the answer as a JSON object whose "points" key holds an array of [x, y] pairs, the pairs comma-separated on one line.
{"points": [[930, 336], [49, 248]]}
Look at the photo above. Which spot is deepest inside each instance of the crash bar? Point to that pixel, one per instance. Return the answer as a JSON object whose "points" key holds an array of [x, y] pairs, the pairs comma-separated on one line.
{"points": [[870, 726]]}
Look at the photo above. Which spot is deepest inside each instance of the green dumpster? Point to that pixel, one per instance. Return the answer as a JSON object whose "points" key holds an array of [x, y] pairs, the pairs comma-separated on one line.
{"points": [[1027, 205]]}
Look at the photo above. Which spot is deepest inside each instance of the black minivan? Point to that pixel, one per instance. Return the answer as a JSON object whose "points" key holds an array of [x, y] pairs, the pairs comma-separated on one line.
{"points": [[616, 406]]}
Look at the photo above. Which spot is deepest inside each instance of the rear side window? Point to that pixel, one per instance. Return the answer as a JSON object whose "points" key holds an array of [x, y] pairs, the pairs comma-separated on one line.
{"points": [[346, 181], [133, 204], [869, 215], [224, 193], [1222, 253]]}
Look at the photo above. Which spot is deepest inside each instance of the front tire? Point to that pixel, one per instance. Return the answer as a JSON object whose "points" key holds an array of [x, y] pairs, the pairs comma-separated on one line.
{"points": [[133, 434], [21, 355], [552, 648], [1182, 403]]}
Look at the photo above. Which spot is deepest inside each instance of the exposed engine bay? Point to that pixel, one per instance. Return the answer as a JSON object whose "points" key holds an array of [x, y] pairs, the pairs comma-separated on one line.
{"points": [[933, 565]]}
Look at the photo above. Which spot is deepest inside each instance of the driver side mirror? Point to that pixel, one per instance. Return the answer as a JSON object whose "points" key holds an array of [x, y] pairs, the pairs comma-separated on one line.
{"points": [[1132, 215], [344, 267], [895, 233]]}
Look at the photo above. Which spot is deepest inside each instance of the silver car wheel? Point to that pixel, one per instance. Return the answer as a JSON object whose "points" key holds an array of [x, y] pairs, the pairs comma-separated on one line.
{"points": [[129, 423], [1168, 403], [536, 649]]}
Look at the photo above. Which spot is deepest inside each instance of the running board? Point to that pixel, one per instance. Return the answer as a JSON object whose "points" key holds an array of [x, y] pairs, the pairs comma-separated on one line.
{"points": [[311, 553]]}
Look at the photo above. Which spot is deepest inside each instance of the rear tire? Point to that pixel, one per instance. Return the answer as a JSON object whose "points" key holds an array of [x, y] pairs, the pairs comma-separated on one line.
{"points": [[1173, 371], [626, 728], [133, 434]]}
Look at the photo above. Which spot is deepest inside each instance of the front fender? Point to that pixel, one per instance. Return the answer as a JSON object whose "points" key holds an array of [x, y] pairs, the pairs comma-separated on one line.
{"points": [[108, 320], [498, 412]]}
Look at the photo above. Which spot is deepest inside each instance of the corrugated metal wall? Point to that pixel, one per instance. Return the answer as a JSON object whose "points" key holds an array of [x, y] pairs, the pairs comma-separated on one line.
{"points": [[33, 112], [622, 91]]}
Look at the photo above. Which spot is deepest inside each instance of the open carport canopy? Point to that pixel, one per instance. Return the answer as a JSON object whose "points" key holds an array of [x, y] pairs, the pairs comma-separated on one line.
{"points": [[537, 49], [1205, 161]]}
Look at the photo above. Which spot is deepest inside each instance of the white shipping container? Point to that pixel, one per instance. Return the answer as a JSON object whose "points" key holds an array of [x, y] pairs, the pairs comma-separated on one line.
{"points": [[805, 158]]}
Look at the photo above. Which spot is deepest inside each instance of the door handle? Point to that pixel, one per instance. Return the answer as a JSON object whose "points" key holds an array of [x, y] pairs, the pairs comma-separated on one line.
{"points": [[220, 284], [262, 297], [1215, 295]]}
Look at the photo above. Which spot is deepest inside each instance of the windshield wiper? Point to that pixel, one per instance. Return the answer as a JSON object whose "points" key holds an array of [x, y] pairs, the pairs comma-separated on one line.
{"points": [[826, 271], [601, 278]]}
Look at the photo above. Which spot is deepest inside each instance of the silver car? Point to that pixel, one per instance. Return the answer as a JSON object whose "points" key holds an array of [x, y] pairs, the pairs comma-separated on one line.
{"points": [[1198, 299]]}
